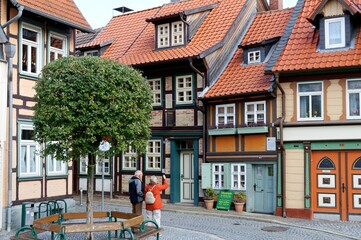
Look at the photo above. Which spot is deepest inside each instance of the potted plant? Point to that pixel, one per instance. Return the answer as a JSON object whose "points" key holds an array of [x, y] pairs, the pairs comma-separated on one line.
{"points": [[239, 200], [209, 194]]}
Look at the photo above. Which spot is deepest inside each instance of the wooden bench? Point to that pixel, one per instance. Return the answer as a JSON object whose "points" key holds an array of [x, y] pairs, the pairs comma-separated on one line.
{"points": [[116, 221]]}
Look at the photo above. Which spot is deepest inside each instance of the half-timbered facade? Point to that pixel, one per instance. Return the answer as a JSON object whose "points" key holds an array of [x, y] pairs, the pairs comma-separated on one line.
{"points": [[40, 31], [319, 112], [181, 48], [241, 108]]}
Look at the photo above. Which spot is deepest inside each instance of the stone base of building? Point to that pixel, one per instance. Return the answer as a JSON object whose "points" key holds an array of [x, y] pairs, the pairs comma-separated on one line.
{"points": [[295, 213]]}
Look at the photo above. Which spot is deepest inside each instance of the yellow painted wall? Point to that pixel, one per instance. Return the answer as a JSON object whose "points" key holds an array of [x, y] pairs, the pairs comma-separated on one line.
{"points": [[29, 190], [255, 142], [56, 187], [295, 179], [225, 144]]}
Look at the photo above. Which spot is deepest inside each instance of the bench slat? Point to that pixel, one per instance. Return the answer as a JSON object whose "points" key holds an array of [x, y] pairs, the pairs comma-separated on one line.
{"points": [[95, 227]]}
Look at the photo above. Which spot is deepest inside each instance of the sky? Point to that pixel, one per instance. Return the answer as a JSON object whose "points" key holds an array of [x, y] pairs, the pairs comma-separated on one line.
{"points": [[99, 12]]}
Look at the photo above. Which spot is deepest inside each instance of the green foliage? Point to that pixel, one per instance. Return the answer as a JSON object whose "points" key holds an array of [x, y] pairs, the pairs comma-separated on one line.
{"points": [[240, 197], [81, 100], [209, 193]]}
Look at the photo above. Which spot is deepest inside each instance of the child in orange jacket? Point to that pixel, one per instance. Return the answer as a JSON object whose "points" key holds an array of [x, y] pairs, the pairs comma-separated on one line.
{"points": [[153, 210]]}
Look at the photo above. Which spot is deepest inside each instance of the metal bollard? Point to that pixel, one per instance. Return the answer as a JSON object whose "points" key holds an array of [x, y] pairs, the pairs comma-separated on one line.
{"points": [[81, 196]]}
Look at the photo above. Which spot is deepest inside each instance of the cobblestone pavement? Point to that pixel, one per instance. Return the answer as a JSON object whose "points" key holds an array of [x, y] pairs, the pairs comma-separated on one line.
{"points": [[195, 222]]}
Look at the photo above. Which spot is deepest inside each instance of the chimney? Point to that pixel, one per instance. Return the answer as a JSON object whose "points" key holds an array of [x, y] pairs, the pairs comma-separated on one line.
{"points": [[276, 4]]}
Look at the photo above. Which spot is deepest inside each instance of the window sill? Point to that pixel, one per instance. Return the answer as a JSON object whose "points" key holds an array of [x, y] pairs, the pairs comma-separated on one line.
{"points": [[33, 178], [60, 176], [251, 130], [224, 131]]}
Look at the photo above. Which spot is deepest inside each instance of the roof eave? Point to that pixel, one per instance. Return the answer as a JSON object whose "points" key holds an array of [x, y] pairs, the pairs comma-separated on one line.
{"points": [[314, 14], [60, 20]]}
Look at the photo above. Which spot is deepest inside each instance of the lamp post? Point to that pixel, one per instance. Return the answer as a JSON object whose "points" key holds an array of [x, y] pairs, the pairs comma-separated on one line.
{"points": [[104, 146]]}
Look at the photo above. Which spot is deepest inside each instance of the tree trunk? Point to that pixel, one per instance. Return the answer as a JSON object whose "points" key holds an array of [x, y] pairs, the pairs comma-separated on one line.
{"points": [[90, 192]]}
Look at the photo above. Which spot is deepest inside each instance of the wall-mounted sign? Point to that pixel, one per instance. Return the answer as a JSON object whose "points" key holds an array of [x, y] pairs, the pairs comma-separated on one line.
{"points": [[271, 144]]}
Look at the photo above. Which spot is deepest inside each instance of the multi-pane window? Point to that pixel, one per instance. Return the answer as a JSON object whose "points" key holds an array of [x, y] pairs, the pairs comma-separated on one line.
{"points": [[99, 166], [353, 98], [92, 53], [335, 36], [83, 169], [129, 159], [225, 115], [184, 89], [163, 35], [29, 161], [55, 167], [310, 101], [218, 176], [255, 113], [57, 46], [153, 160], [254, 57], [238, 176], [177, 33], [31, 37], [170, 34], [155, 86]]}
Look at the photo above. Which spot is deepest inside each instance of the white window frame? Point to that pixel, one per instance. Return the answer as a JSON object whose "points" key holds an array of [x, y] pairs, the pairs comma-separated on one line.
{"points": [[30, 44], [177, 33], [311, 116], [55, 167], [92, 53], [255, 112], [129, 159], [329, 45], [156, 87], [163, 35], [236, 177], [353, 112], [99, 166], [226, 115], [83, 165], [218, 176], [184, 89], [254, 56], [57, 51], [29, 144], [154, 153]]}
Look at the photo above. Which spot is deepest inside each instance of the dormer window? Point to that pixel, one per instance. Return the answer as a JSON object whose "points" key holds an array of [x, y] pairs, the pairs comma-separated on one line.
{"points": [[335, 33], [254, 57], [174, 31]]}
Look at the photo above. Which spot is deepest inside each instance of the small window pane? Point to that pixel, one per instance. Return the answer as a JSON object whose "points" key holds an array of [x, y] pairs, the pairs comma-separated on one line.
{"points": [[326, 163]]}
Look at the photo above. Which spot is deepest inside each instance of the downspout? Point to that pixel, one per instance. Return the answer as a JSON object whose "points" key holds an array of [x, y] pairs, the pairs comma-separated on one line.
{"points": [[283, 110], [200, 109], [10, 52]]}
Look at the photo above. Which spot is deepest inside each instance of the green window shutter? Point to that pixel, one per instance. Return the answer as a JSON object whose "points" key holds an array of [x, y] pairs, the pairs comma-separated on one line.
{"points": [[227, 175], [206, 175]]}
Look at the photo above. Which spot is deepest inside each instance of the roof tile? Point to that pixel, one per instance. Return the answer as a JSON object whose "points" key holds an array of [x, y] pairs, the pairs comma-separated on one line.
{"points": [[65, 10]]}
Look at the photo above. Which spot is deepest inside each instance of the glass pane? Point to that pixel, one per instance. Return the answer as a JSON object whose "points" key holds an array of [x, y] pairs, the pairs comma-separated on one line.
{"points": [[326, 163], [50, 164], [59, 165], [56, 42], [25, 58], [354, 104], [304, 107], [32, 159], [352, 85], [220, 110], [250, 108], [52, 56], [316, 106], [335, 32], [230, 110], [220, 120], [310, 87], [29, 35], [23, 159], [33, 60], [27, 134], [260, 107]]}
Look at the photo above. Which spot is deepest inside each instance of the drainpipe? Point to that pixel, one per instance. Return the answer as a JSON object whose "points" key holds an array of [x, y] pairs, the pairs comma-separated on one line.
{"points": [[283, 99], [10, 52]]}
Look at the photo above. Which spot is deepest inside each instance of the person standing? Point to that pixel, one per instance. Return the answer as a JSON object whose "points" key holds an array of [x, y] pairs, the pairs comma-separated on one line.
{"points": [[136, 189], [153, 210]]}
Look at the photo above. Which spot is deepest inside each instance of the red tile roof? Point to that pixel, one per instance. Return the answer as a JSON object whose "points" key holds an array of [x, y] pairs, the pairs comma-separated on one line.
{"points": [[64, 11], [267, 25], [210, 33], [301, 51], [242, 79]]}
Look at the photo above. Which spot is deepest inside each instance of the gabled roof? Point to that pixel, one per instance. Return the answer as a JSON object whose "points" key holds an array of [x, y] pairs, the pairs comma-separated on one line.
{"points": [[301, 54], [240, 79], [350, 5], [121, 31], [64, 11], [211, 32]]}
